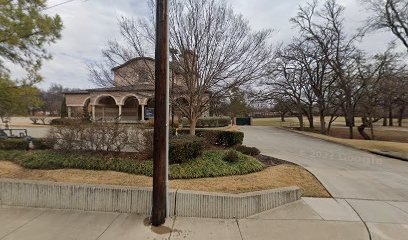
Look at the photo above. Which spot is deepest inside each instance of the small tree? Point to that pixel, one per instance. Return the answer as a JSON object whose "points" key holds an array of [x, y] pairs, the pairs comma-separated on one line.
{"points": [[25, 29], [237, 104]]}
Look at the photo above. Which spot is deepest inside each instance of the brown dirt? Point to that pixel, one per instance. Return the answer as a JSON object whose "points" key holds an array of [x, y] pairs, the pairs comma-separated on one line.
{"points": [[283, 175]]}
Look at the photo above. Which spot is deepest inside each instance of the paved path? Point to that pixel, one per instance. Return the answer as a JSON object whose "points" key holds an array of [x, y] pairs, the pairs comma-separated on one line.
{"points": [[373, 187], [298, 220]]}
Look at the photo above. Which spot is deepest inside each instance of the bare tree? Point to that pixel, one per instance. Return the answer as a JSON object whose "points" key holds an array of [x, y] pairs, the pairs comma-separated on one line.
{"points": [[286, 83], [325, 27], [218, 52], [380, 73], [391, 15]]}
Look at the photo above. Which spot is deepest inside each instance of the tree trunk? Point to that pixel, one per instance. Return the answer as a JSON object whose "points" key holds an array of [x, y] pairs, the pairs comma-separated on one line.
{"points": [[322, 123], [401, 115], [301, 123], [282, 117], [351, 126], [310, 119], [385, 122], [371, 123], [390, 116], [361, 129], [193, 124]]}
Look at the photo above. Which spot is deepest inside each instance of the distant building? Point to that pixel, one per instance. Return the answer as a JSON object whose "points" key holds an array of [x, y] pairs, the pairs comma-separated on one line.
{"points": [[130, 100]]}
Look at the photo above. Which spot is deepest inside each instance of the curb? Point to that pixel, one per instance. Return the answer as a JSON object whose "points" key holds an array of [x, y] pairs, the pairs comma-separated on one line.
{"points": [[103, 198], [393, 155]]}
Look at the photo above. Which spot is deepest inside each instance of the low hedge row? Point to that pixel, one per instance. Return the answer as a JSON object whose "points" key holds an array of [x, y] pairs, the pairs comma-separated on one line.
{"points": [[23, 144], [217, 137], [209, 164], [251, 151], [14, 144], [68, 121], [209, 122]]}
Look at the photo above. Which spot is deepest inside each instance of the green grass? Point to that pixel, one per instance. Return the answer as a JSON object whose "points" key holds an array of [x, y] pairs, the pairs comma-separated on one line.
{"points": [[210, 164]]}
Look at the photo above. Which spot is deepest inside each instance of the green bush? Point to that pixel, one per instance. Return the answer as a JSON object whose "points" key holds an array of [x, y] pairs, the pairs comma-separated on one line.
{"points": [[217, 137], [209, 164], [184, 148], [41, 144], [14, 144], [209, 122], [251, 151], [231, 156]]}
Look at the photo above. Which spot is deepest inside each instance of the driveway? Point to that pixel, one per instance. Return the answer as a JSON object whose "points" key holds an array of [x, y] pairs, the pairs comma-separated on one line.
{"points": [[344, 171], [374, 187]]}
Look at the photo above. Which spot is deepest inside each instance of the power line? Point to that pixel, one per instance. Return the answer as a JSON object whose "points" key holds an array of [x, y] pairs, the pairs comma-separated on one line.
{"points": [[61, 3]]}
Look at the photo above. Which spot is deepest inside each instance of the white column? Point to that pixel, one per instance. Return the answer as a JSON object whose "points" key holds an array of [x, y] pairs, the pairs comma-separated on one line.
{"points": [[69, 112], [93, 113], [143, 112], [120, 112]]}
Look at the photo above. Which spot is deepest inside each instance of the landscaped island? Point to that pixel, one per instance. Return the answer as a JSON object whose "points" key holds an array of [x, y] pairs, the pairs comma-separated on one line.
{"points": [[214, 160]]}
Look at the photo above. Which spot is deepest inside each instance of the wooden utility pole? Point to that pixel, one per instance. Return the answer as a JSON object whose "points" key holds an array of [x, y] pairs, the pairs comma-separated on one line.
{"points": [[159, 207]]}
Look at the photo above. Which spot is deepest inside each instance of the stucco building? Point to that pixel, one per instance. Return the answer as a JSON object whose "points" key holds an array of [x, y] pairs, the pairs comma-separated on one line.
{"points": [[130, 100]]}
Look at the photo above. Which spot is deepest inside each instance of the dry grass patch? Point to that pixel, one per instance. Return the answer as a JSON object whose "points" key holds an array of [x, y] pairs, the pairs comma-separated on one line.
{"points": [[364, 144], [271, 178]]}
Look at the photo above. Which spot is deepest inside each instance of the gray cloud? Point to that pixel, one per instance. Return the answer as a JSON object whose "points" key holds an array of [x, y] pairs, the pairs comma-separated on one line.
{"points": [[89, 24]]}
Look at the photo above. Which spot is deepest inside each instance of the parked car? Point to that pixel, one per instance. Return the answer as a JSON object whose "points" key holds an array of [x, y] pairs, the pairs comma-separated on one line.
{"points": [[14, 133]]}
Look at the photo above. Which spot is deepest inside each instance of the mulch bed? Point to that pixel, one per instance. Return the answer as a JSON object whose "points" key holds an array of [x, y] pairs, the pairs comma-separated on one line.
{"points": [[271, 161]]}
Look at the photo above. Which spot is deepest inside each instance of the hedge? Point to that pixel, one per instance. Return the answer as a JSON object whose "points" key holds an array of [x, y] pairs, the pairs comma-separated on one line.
{"points": [[217, 137], [41, 144], [251, 151], [209, 164], [68, 121], [14, 144], [185, 148], [209, 122]]}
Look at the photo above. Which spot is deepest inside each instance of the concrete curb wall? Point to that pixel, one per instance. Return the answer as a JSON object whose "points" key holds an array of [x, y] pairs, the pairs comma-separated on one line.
{"points": [[138, 200]]}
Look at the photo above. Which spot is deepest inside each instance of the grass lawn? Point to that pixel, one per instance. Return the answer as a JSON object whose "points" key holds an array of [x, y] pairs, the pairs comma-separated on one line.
{"points": [[364, 144], [284, 175]]}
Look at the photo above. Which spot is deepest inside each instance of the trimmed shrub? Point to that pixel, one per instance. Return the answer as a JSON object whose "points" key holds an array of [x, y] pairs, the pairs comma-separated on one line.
{"points": [[41, 144], [14, 144], [185, 148], [217, 137], [250, 151], [230, 138], [209, 164], [209, 122], [231, 156]]}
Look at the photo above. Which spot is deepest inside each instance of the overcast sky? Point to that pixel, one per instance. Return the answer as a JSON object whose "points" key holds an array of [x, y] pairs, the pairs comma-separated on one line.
{"points": [[89, 24]]}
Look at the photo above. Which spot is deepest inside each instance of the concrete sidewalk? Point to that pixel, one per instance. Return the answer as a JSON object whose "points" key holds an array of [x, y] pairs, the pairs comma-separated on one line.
{"points": [[308, 218]]}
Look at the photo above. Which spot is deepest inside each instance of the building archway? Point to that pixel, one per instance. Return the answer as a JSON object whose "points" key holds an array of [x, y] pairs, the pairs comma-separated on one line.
{"points": [[87, 109], [130, 109], [106, 109]]}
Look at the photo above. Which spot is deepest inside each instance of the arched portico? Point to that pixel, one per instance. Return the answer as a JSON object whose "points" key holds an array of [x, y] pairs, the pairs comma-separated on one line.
{"points": [[130, 109], [105, 108]]}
